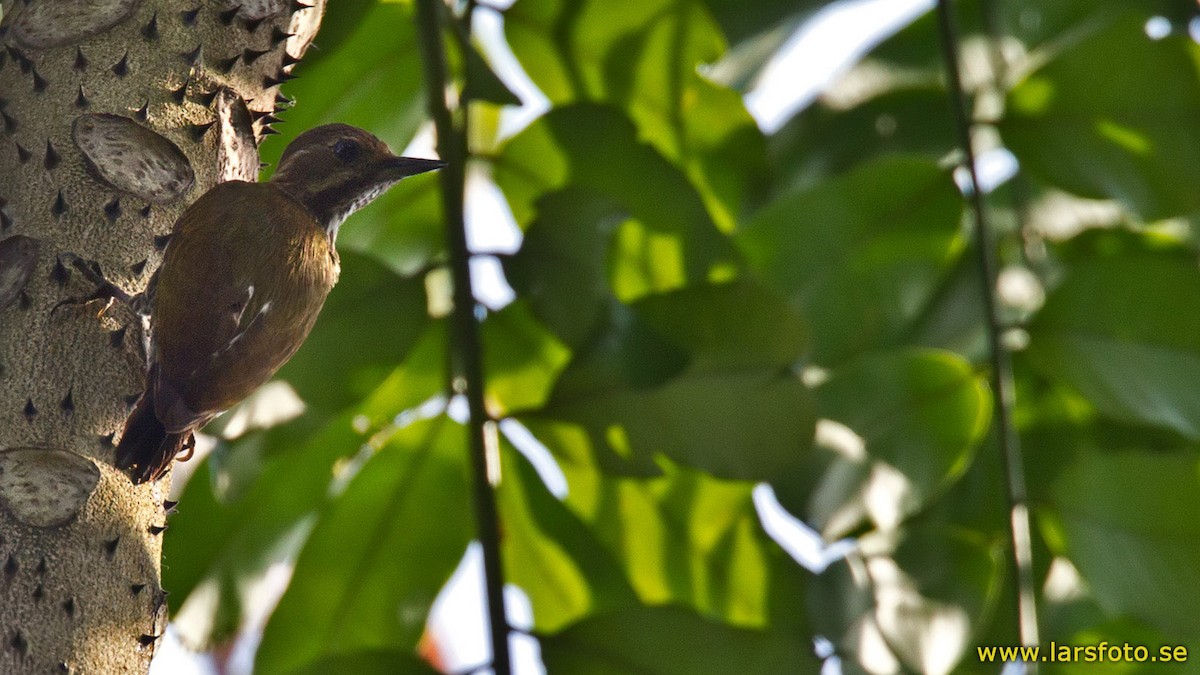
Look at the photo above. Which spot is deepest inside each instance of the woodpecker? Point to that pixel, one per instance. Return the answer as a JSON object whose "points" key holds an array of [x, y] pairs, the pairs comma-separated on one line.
{"points": [[245, 273]]}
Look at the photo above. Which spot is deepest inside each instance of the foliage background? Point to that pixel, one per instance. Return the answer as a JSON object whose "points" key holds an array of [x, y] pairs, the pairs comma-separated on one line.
{"points": [[701, 307]]}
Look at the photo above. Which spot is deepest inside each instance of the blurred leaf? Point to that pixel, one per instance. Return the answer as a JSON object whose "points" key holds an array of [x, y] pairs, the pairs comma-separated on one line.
{"points": [[861, 254], [740, 19], [921, 413], [521, 359], [378, 557], [899, 85], [370, 322], [1078, 620], [1057, 424], [615, 51], [1125, 332], [690, 420], [1131, 525], [953, 318], [917, 604], [560, 151], [823, 140], [958, 575], [979, 499], [669, 640], [683, 538], [365, 662], [559, 269], [914, 51], [1063, 21], [642, 55], [337, 26], [235, 527], [723, 152], [1122, 241], [347, 83], [550, 553], [217, 551], [742, 65], [1093, 121], [727, 326], [699, 374], [420, 378], [483, 84]]}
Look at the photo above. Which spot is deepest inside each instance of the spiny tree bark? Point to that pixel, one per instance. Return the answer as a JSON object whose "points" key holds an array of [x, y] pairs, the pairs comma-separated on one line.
{"points": [[115, 115]]}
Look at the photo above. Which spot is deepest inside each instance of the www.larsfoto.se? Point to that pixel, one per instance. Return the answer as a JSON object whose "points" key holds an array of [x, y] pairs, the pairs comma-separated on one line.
{"points": [[1098, 653]]}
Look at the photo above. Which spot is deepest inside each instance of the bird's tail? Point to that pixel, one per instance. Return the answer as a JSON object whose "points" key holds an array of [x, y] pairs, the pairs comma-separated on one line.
{"points": [[146, 448]]}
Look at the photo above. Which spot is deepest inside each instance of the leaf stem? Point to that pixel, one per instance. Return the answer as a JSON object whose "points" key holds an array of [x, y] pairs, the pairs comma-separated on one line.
{"points": [[467, 377], [1001, 363]]}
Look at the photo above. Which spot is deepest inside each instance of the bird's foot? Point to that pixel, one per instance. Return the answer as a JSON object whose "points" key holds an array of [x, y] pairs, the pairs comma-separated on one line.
{"points": [[105, 289], [189, 449]]}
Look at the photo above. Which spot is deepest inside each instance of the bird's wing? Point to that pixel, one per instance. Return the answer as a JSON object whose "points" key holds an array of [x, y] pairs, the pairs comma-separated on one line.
{"points": [[243, 279]]}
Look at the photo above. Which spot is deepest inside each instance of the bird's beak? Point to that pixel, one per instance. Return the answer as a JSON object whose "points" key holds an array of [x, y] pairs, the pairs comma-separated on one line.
{"points": [[395, 168]]}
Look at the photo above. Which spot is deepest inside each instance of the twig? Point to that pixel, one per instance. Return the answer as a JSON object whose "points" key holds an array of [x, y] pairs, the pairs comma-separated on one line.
{"points": [[1001, 364], [468, 380]]}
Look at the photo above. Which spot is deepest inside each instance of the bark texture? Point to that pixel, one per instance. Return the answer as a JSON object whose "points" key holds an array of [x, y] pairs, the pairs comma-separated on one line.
{"points": [[114, 116]]}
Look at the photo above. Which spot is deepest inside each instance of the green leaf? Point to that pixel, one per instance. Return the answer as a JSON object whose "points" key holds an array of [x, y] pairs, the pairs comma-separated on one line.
{"points": [[861, 254], [370, 322], [679, 242], [914, 52], [420, 378], [689, 421], [1130, 523], [347, 83], [643, 56], [919, 412], [550, 553], [741, 19], [483, 84], [611, 51], [1125, 332], [1160, 650], [559, 268], [218, 550], [824, 140], [743, 64], [953, 318], [672, 640], [235, 527], [1093, 121], [337, 27], [920, 599], [366, 662], [700, 375], [378, 557], [682, 538], [1076, 620], [1052, 24], [521, 359]]}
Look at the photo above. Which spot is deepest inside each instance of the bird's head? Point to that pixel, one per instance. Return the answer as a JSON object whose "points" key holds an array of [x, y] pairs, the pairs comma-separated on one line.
{"points": [[336, 169]]}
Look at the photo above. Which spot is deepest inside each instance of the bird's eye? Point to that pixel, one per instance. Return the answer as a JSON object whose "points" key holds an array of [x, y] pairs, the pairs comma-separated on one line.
{"points": [[346, 150]]}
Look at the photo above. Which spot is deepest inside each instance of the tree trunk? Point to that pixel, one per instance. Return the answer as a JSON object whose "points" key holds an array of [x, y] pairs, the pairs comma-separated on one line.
{"points": [[116, 114]]}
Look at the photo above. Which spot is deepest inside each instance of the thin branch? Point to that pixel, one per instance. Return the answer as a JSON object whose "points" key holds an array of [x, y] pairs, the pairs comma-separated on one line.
{"points": [[1001, 364], [468, 377]]}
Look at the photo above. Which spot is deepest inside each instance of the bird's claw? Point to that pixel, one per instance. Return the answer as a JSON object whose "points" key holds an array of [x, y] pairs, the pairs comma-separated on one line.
{"points": [[189, 449], [105, 289]]}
